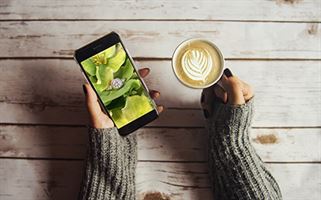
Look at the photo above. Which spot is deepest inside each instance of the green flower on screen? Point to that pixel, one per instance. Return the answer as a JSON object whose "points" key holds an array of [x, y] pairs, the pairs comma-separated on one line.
{"points": [[122, 93]]}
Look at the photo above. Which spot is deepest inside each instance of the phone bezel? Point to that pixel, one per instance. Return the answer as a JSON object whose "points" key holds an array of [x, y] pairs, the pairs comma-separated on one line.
{"points": [[97, 46]]}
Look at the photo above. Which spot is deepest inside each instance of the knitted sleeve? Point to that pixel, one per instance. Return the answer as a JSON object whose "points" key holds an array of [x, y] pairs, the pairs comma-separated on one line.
{"points": [[110, 166], [236, 171]]}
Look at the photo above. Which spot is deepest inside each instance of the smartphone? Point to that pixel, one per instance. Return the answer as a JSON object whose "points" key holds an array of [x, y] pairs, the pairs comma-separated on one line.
{"points": [[121, 92]]}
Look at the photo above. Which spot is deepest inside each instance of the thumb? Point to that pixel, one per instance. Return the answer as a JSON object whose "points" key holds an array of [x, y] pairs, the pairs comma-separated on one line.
{"points": [[233, 86], [93, 106]]}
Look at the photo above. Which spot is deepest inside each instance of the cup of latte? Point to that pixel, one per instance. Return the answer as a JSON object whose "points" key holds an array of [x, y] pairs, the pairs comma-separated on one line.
{"points": [[198, 63]]}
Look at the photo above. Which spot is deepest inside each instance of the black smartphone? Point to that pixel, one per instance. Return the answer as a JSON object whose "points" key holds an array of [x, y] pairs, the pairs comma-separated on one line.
{"points": [[121, 92]]}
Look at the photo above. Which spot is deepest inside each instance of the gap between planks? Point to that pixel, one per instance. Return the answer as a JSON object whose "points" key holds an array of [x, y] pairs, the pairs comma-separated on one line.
{"points": [[158, 20], [166, 59], [150, 161], [151, 127]]}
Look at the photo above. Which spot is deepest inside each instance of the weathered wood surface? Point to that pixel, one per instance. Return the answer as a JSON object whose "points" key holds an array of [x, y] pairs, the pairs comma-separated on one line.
{"points": [[48, 91], [255, 35], [155, 144], [159, 39], [68, 115], [35, 179], [262, 10]]}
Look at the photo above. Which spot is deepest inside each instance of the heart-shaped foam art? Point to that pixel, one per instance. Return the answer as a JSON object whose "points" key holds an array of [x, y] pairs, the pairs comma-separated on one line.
{"points": [[197, 64]]}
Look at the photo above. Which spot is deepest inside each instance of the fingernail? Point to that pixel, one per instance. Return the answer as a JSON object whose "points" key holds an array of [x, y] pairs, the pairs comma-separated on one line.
{"points": [[147, 69], [84, 88], [206, 113], [157, 94], [154, 93], [202, 98], [228, 72]]}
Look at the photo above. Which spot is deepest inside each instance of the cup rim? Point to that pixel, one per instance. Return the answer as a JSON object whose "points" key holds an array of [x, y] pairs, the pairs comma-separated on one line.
{"points": [[217, 50]]}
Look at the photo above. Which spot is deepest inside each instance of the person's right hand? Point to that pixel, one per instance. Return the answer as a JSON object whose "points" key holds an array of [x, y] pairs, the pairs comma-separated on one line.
{"points": [[231, 91], [98, 119]]}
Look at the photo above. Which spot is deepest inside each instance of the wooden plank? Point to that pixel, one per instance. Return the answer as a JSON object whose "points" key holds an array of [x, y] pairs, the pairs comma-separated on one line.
{"points": [[282, 145], [159, 39], [35, 179], [158, 144], [53, 115], [295, 180], [49, 91], [280, 10]]}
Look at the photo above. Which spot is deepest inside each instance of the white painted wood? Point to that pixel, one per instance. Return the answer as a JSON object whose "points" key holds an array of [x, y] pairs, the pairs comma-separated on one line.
{"points": [[42, 114], [279, 10], [49, 91], [158, 144], [35, 179], [284, 145], [39, 179], [159, 38], [297, 181], [175, 180]]}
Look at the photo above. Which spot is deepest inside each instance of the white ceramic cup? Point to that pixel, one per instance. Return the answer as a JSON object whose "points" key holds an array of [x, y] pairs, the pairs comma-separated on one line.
{"points": [[215, 48]]}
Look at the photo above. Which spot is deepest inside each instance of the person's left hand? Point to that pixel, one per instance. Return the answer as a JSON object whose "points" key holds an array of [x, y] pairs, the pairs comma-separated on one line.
{"points": [[234, 92], [98, 119]]}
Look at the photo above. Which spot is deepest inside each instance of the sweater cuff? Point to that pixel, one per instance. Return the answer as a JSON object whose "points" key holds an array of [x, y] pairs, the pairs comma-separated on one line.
{"points": [[111, 164], [234, 113], [108, 142], [98, 135], [108, 146], [231, 116]]}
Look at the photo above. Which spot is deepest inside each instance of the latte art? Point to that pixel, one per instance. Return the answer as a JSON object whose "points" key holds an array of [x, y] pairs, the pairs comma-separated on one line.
{"points": [[197, 64]]}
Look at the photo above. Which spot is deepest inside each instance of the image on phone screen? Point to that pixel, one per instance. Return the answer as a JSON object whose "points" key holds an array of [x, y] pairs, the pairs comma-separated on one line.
{"points": [[118, 85]]}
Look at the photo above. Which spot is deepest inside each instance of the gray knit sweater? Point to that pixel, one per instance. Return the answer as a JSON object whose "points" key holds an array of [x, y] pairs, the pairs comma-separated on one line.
{"points": [[235, 170], [110, 166]]}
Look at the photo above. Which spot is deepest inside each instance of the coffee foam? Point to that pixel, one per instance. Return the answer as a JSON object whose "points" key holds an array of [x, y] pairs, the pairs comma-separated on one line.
{"points": [[197, 63]]}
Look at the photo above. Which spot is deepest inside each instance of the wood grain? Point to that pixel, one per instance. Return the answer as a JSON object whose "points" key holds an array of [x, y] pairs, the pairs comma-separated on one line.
{"points": [[155, 144], [45, 94], [48, 91], [277, 10], [158, 39], [56, 115], [42, 179]]}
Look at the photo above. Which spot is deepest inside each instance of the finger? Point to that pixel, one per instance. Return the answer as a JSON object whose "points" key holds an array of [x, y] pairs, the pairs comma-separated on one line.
{"points": [[233, 86], [154, 94], [220, 93], [247, 91], [207, 95], [207, 99], [144, 72], [91, 101], [160, 109]]}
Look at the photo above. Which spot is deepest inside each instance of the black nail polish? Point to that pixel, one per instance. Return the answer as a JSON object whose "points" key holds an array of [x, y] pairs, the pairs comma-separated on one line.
{"points": [[206, 113], [84, 88], [202, 98], [228, 72]]}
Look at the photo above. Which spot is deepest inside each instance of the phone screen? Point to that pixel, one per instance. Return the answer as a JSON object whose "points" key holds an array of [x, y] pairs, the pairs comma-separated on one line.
{"points": [[118, 85]]}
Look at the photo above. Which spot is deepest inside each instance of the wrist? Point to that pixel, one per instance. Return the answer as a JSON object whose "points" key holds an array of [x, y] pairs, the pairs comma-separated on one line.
{"points": [[101, 122]]}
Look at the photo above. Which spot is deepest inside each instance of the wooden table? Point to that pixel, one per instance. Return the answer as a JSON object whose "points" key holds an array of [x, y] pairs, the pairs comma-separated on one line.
{"points": [[273, 45]]}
